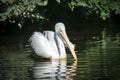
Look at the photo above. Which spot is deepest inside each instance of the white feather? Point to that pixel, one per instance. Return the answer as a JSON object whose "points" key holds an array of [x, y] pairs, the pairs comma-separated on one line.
{"points": [[38, 43]]}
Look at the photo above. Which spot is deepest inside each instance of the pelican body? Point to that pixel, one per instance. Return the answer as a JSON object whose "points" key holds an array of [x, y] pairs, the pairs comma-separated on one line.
{"points": [[51, 44]]}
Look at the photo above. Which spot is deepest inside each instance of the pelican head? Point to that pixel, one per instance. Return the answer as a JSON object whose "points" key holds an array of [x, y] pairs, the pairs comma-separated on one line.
{"points": [[59, 27], [60, 30]]}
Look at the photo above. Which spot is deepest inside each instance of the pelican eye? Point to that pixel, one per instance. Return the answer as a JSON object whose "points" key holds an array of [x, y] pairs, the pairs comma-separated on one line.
{"points": [[60, 29]]}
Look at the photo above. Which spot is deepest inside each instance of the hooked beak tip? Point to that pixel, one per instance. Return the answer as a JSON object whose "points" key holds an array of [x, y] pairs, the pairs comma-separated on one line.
{"points": [[76, 59]]}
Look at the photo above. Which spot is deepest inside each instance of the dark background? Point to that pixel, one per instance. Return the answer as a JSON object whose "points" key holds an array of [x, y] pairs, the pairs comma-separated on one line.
{"points": [[75, 21]]}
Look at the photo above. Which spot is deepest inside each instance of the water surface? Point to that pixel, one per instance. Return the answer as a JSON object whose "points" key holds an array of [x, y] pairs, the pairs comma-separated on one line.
{"points": [[98, 60]]}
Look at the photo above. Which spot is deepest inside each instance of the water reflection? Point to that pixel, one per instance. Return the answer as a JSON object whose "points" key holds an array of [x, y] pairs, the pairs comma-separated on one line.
{"points": [[98, 60], [55, 70], [103, 59]]}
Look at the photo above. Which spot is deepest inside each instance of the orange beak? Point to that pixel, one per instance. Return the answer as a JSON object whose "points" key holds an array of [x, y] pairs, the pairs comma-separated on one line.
{"points": [[64, 35]]}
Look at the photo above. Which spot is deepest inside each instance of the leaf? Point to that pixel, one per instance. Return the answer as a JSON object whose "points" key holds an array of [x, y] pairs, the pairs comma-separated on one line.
{"points": [[20, 25]]}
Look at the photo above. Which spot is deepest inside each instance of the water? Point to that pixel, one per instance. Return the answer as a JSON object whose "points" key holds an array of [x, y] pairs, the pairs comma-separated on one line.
{"points": [[98, 60]]}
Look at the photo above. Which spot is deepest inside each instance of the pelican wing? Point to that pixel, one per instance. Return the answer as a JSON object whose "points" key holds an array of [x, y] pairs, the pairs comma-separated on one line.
{"points": [[50, 35], [41, 45]]}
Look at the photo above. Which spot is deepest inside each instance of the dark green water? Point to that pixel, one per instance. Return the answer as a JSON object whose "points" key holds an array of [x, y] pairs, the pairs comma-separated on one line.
{"points": [[98, 60]]}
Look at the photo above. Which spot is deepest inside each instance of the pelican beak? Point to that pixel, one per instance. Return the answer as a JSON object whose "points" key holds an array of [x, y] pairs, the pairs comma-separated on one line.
{"points": [[64, 35]]}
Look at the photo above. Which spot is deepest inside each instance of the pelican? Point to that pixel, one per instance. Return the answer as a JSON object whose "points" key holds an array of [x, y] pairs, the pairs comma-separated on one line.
{"points": [[51, 44]]}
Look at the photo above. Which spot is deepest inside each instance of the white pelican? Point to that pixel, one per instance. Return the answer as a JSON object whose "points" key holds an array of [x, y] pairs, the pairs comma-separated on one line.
{"points": [[52, 44]]}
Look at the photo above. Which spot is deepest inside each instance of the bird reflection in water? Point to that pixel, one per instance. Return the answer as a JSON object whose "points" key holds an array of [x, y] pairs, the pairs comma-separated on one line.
{"points": [[55, 70]]}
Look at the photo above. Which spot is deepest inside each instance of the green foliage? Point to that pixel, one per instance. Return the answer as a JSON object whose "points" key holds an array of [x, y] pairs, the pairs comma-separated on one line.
{"points": [[102, 7], [22, 9], [19, 10]]}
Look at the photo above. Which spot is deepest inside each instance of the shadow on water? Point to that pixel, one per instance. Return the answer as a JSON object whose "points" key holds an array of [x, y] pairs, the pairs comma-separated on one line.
{"points": [[98, 60]]}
